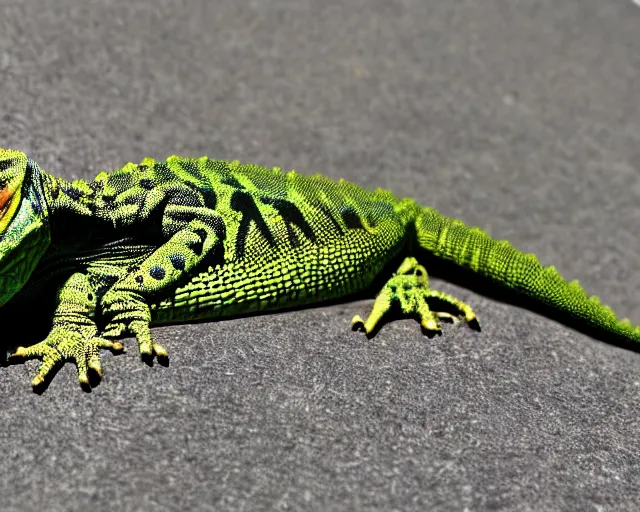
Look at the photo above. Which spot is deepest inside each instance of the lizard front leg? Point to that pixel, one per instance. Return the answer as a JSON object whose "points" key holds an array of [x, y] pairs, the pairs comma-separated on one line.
{"points": [[125, 306], [73, 336]]}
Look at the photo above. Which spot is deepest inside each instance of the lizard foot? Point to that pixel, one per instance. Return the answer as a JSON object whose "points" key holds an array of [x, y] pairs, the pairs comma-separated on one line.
{"points": [[73, 337], [410, 288], [65, 344], [131, 315]]}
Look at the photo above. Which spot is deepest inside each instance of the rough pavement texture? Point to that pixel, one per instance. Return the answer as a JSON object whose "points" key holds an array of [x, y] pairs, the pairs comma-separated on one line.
{"points": [[518, 117]]}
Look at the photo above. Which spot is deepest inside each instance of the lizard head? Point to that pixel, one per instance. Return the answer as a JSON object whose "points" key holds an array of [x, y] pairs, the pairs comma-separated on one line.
{"points": [[24, 226]]}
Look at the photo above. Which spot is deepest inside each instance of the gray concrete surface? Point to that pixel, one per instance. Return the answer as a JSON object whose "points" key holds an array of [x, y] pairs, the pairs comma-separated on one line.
{"points": [[519, 117]]}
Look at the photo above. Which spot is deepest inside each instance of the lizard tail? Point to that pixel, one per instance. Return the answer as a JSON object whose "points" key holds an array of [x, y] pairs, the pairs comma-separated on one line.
{"points": [[499, 261]]}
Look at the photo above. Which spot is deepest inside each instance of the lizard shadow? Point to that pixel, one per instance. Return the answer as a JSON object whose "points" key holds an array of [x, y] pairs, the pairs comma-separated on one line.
{"points": [[26, 329], [24, 323], [21, 330]]}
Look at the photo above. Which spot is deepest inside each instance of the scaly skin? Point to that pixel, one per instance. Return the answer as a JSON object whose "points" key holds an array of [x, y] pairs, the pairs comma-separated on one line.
{"points": [[192, 239]]}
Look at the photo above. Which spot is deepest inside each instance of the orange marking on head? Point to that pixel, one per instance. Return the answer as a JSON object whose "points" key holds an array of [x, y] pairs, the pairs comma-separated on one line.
{"points": [[5, 196]]}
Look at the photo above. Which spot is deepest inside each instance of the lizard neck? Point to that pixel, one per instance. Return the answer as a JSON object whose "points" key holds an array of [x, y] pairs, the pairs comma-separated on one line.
{"points": [[63, 197], [73, 220]]}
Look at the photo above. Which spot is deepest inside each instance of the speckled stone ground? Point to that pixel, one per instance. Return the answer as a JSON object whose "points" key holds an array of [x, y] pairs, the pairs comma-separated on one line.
{"points": [[519, 117]]}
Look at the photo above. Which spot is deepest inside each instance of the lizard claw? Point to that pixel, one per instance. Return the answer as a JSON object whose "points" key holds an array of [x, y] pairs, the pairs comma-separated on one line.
{"points": [[63, 345], [148, 348]]}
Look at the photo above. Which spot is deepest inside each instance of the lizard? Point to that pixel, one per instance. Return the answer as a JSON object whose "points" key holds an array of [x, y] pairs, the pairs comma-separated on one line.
{"points": [[190, 239]]}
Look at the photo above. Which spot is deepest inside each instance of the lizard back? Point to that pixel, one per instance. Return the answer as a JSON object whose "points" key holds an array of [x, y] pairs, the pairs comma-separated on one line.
{"points": [[282, 238]]}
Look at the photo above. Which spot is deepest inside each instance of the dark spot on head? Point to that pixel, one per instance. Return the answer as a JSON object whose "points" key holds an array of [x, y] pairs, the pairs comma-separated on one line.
{"points": [[143, 167], [146, 183], [90, 296], [7, 164], [157, 272], [139, 279], [177, 260]]}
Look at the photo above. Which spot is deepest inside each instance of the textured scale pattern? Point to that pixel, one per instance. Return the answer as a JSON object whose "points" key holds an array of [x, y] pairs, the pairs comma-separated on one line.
{"points": [[191, 239], [280, 238]]}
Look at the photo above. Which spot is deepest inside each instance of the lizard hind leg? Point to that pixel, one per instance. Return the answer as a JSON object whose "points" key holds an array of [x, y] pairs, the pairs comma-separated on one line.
{"points": [[409, 288]]}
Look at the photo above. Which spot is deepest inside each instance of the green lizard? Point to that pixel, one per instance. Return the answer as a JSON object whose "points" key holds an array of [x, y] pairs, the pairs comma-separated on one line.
{"points": [[193, 239]]}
